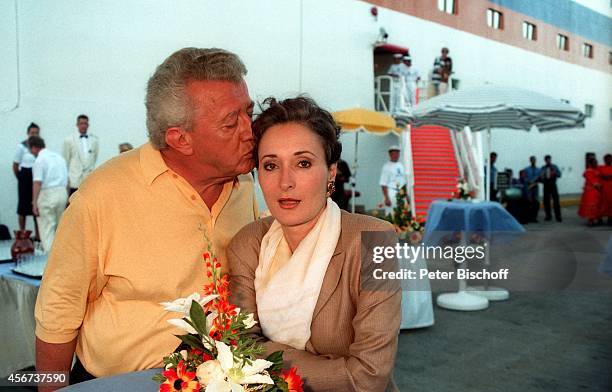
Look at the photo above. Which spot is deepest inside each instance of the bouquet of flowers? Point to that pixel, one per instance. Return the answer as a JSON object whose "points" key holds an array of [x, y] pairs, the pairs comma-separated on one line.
{"points": [[463, 191], [408, 226], [219, 355]]}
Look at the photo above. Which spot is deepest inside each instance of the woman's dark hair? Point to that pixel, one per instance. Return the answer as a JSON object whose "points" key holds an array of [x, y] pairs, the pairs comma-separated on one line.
{"points": [[304, 111], [592, 162], [32, 125]]}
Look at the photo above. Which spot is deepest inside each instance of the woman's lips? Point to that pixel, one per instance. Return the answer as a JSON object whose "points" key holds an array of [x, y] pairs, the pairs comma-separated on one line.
{"points": [[288, 203]]}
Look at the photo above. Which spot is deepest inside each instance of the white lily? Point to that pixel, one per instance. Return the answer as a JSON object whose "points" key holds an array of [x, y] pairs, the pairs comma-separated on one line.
{"points": [[210, 317], [183, 305], [250, 322], [182, 324], [233, 377]]}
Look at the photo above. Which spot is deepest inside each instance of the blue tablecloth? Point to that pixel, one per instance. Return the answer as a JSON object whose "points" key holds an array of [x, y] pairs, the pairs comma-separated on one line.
{"points": [[17, 300], [133, 382], [6, 273], [486, 218]]}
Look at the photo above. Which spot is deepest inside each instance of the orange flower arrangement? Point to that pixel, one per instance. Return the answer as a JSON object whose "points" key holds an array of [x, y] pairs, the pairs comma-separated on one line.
{"points": [[179, 379], [221, 354]]}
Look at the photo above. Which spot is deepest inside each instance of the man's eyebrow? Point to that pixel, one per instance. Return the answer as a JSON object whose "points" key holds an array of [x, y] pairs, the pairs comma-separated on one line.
{"points": [[230, 114]]}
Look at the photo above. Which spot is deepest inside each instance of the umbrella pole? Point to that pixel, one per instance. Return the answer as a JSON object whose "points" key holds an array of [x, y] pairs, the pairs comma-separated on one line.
{"points": [[354, 173]]}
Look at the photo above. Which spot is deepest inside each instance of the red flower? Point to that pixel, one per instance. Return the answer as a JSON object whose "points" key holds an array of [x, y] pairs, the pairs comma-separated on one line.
{"points": [[224, 307], [209, 288], [179, 380], [207, 357], [293, 380]]}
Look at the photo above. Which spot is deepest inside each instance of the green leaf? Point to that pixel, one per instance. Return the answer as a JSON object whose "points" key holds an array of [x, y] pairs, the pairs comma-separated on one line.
{"points": [[277, 361], [159, 378], [280, 384], [198, 317], [191, 340]]}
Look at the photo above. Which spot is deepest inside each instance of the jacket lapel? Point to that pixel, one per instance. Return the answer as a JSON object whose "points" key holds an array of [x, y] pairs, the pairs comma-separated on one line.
{"points": [[332, 277], [77, 144]]}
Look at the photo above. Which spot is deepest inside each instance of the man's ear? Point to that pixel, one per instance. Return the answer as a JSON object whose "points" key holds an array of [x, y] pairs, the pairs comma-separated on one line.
{"points": [[179, 140]]}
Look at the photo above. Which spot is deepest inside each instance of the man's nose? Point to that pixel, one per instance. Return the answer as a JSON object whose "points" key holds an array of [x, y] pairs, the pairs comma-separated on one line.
{"points": [[246, 131]]}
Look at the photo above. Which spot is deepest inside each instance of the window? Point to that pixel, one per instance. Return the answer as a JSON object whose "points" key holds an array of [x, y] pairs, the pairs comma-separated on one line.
{"points": [[562, 42], [588, 110], [529, 31], [587, 50], [447, 6], [495, 19]]}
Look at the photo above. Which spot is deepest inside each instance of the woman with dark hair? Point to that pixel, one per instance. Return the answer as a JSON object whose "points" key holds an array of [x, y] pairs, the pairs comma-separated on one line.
{"points": [[590, 202], [299, 271], [22, 168]]}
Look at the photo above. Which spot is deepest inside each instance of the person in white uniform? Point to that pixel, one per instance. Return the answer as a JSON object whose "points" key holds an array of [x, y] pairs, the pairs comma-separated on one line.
{"points": [[81, 153], [22, 168], [397, 100], [411, 77], [49, 194], [392, 178]]}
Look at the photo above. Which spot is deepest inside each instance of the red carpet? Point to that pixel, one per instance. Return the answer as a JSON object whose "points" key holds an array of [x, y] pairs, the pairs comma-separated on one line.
{"points": [[435, 166]]}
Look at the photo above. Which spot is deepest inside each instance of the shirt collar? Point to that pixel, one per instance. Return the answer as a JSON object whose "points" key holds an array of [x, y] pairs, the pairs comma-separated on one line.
{"points": [[152, 163]]}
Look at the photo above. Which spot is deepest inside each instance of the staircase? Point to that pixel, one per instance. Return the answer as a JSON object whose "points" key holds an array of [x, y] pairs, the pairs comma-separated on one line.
{"points": [[434, 166]]}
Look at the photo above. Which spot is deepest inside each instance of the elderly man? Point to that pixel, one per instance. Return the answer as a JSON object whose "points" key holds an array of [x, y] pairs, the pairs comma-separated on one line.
{"points": [[134, 233]]}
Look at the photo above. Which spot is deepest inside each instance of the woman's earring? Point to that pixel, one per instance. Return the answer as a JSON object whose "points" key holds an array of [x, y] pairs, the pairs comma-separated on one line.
{"points": [[331, 188]]}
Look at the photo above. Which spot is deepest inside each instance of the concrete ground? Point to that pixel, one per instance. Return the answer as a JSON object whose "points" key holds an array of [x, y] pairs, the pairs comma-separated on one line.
{"points": [[553, 340]]}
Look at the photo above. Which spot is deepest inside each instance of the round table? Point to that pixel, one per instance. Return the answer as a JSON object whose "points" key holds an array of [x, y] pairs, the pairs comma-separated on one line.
{"points": [[488, 219], [133, 382]]}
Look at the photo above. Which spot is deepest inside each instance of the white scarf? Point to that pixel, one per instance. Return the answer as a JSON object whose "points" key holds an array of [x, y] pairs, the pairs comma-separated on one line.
{"points": [[286, 300]]}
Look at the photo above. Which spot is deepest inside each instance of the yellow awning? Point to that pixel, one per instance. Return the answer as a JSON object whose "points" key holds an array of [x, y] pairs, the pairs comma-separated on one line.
{"points": [[363, 119]]}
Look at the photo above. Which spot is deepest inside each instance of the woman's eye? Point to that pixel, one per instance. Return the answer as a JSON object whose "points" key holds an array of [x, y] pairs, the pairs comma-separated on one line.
{"points": [[269, 166], [304, 164]]}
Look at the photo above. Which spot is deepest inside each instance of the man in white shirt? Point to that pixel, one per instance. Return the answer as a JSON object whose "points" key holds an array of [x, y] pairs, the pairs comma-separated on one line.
{"points": [[412, 77], [392, 178], [81, 153], [49, 194], [22, 168], [398, 87]]}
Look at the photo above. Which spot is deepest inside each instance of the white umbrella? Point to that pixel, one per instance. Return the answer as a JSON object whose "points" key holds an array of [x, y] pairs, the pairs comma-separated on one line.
{"points": [[492, 106]]}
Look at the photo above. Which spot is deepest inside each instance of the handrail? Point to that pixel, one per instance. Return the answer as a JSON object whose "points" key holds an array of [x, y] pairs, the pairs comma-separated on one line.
{"points": [[380, 93], [458, 156], [409, 164]]}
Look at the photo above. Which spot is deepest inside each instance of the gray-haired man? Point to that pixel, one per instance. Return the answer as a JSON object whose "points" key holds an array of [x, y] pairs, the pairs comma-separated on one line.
{"points": [[135, 231]]}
